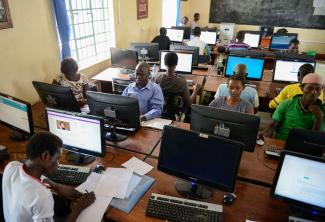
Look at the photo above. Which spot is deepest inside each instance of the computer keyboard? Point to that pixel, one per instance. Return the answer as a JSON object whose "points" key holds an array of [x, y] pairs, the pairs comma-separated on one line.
{"points": [[272, 151], [70, 175], [179, 209]]}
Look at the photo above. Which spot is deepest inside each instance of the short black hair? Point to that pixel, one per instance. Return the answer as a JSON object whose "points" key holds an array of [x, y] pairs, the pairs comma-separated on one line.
{"points": [[42, 142], [282, 31], [196, 14], [240, 36], [238, 77], [294, 41], [305, 69], [69, 66], [185, 17], [197, 31], [171, 59], [163, 31]]}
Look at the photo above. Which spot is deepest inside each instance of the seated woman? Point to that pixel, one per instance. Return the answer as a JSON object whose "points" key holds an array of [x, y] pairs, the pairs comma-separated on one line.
{"points": [[69, 77], [236, 84]]}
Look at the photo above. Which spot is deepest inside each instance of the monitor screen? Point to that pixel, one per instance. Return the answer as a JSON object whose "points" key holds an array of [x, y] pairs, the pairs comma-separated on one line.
{"points": [[152, 49], [254, 66], [16, 114], [124, 58], [187, 31], [186, 48], [203, 159], [175, 35], [184, 65], [225, 123], [209, 38], [280, 42], [252, 39], [287, 70], [305, 186], [79, 133]]}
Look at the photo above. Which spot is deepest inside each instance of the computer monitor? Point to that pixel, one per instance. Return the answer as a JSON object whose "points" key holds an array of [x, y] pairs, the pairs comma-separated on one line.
{"points": [[57, 97], [255, 66], [200, 159], [306, 141], [300, 180], [287, 70], [187, 31], [118, 111], [281, 41], [81, 134], [209, 37], [175, 35], [124, 58], [152, 50], [225, 123], [17, 115], [186, 48], [252, 38], [184, 65]]}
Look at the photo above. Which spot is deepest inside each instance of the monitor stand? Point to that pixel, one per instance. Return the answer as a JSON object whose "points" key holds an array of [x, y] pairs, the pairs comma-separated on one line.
{"points": [[79, 159], [193, 190], [18, 136], [114, 136], [304, 214]]}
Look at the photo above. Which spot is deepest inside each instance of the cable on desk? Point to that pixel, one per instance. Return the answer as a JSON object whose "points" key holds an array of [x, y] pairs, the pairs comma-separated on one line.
{"points": [[258, 158]]}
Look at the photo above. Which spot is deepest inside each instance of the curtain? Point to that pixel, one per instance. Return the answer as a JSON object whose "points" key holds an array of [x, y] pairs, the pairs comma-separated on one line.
{"points": [[178, 15]]}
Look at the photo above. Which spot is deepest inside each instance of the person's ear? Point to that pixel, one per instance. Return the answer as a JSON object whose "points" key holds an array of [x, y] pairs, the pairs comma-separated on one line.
{"points": [[45, 156]]}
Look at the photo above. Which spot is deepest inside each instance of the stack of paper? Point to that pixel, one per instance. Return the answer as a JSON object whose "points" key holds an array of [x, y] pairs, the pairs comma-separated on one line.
{"points": [[156, 123]]}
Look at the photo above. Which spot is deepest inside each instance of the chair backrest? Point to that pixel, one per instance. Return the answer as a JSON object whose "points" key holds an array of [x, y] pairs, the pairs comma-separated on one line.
{"points": [[120, 84], [173, 106]]}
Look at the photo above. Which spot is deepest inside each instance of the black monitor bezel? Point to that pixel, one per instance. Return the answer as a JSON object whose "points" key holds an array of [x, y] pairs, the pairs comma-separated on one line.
{"points": [[288, 60], [277, 174], [242, 56], [181, 72], [29, 114], [124, 50], [259, 39], [187, 50], [280, 34], [176, 29], [76, 149], [200, 180]]}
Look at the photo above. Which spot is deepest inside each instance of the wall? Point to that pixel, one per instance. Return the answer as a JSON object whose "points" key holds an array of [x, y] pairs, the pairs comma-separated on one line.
{"points": [[310, 39], [129, 29], [28, 51]]}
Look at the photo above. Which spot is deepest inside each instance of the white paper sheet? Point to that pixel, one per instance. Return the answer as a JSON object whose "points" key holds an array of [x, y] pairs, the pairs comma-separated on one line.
{"points": [[319, 3], [156, 123], [95, 212], [137, 166], [90, 184], [319, 11], [135, 180]]}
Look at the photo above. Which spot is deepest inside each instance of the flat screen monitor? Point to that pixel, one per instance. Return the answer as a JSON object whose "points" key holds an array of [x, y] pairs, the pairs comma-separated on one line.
{"points": [[208, 37], [281, 41], [300, 180], [152, 50], [16, 114], [187, 31], [255, 66], [252, 39], [306, 141], [287, 70], [225, 123], [200, 159], [184, 65], [124, 58], [57, 97], [121, 111], [82, 134], [186, 48], [175, 35]]}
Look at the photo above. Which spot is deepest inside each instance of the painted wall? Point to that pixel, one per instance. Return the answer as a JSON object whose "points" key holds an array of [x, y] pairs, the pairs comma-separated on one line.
{"points": [[310, 39]]}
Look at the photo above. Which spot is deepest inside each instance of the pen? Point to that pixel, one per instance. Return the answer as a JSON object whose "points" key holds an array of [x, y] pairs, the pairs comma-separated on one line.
{"points": [[86, 191]]}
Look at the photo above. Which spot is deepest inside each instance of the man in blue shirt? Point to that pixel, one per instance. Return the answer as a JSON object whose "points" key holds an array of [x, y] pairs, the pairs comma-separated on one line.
{"points": [[149, 94]]}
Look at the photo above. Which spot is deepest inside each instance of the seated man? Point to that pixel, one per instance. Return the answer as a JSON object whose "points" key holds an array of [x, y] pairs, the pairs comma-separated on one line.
{"points": [[204, 54], [293, 89], [172, 84], [184, 22], [162, 39], [249, 93], [239, 44], [294, 46], [149, 94], [302, 111], [25, 196]]}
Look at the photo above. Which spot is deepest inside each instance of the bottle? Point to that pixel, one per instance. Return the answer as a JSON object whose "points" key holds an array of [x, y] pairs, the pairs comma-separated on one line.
{"points": [[154, 70]]}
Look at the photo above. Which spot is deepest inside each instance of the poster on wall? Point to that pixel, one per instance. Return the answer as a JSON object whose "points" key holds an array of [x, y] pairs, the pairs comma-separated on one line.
{"points": [[5, 19], [142, 9]]}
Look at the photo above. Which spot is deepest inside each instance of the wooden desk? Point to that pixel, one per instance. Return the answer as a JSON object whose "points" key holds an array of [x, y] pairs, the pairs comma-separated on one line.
{"points": [[252, 201]]}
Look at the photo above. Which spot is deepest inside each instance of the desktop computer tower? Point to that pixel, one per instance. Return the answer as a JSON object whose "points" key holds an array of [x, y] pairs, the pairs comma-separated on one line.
{"points": [[227, 32]]}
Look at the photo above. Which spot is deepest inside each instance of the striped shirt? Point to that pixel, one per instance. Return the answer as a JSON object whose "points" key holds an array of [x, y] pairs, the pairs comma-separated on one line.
{"points": [[238, 46]]}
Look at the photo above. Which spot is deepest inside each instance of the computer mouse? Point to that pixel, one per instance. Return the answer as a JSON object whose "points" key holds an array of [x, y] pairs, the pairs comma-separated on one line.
{"points": [[99, 169], [229, 198]]}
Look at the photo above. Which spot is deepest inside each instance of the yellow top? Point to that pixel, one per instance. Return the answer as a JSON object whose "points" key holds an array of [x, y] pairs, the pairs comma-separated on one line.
{"points": [[287, 93]]}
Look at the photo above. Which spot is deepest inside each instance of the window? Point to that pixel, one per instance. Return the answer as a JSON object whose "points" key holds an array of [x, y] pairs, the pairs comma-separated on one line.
{"points": [[170, 13], [92, 30]]}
